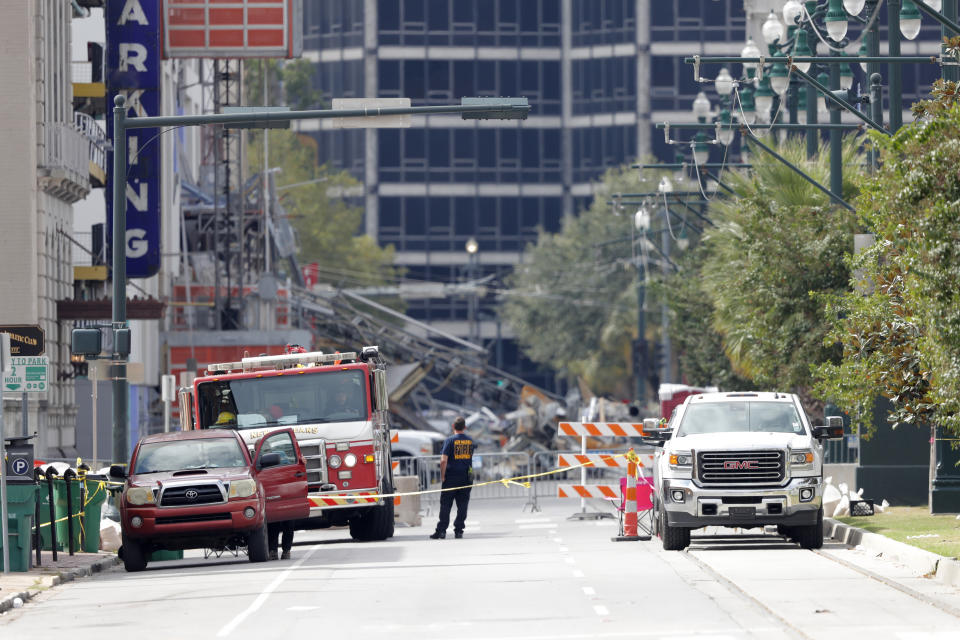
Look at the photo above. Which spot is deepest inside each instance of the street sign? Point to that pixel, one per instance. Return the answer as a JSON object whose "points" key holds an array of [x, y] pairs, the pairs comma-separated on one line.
{"points": [[25, 339], [29, 374]]}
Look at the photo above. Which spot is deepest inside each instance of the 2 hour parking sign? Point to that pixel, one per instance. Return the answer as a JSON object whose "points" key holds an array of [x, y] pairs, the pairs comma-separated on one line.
{"points": [[29, 374]]}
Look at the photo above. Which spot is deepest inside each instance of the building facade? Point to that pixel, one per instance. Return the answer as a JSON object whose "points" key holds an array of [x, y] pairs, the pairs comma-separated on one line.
{"points": [[598, 73]]}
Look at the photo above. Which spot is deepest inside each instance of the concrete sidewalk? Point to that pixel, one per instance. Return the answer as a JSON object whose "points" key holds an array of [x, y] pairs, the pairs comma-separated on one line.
{"points": [[27, 584], [924, 563]]}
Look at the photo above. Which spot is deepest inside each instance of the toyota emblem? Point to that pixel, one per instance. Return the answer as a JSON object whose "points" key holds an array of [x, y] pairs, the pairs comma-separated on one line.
{"points": [[191, 494]]}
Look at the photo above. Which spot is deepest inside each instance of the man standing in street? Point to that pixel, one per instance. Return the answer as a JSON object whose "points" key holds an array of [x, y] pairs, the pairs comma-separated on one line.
{"points": [[456, 470]]}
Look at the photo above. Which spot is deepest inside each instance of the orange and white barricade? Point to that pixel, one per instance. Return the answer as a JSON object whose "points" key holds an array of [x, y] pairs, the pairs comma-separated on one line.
{"points": [[626, 494]]}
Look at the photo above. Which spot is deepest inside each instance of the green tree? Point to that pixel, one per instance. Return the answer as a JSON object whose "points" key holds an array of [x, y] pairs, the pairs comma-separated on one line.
{"points": [[776, 246], [900, 328], [329, 228], [573, 300]]}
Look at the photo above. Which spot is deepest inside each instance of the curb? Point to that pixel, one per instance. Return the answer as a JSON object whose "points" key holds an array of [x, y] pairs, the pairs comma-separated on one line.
{"points": [[926, 563], [53, 580]]}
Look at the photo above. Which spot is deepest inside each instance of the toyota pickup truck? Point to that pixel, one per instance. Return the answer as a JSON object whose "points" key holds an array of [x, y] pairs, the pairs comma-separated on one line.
{"points": [[740, 460], [203, 489]]}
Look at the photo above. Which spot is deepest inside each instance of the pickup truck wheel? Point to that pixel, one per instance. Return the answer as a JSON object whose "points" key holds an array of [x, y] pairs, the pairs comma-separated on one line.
{"points": [[134, 554], [257, 544], [673, 538], [377, 522], [810, 536]]}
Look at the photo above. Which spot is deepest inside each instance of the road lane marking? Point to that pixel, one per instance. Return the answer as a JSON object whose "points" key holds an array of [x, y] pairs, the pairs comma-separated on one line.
{"points": [[601, 610], [270, 588], [589, 591], [531, 520]]}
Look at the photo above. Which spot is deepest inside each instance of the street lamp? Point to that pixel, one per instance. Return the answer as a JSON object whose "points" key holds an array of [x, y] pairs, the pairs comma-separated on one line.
{"points": [[854, 7], [846, 75], [909, 20], [472, 247], [751, 50], [701, 148], [836, 21], [641, 219], [801, 49], [748, 107], [724, 82], [764, 99], [701, 107], [792, 11], [665, 185], [724, 132], [772, 29], [779, 78]]}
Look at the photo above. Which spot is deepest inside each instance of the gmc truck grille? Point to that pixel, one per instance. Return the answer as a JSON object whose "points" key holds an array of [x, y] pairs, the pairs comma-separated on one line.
{"points": [[740, 467], [190, 495]]}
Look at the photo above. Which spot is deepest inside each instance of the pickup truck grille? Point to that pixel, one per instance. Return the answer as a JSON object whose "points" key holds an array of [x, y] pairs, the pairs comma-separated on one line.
{"points": [[764, 467], [191, 495]]}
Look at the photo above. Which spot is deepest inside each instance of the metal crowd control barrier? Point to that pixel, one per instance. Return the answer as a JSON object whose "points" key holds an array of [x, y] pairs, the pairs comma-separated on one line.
{"points": [[583, 490], [487, 467]]}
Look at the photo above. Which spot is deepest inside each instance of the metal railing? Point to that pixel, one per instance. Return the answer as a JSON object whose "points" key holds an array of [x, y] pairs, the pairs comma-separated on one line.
{"points": [[90, 129], [65, 161], [845, 451]]}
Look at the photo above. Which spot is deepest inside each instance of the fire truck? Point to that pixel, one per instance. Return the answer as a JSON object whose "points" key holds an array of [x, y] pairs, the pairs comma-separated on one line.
{"points": [[336, 404]]}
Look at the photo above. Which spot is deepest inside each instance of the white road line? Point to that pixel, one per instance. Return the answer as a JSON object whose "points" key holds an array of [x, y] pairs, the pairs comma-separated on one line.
{"points": [[577, 573], [601, 610], [531, 520], [588, 591], [542, 525], [270, 588]]}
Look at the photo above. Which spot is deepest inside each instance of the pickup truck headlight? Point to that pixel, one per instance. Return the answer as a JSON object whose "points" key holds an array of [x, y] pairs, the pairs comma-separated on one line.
{"points": [[243, 488], [140, 495], [682, 459], [801, 457]]}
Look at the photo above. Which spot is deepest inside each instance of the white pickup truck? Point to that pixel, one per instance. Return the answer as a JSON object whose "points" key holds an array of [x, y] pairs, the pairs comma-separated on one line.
{"points": [[740, 460]]}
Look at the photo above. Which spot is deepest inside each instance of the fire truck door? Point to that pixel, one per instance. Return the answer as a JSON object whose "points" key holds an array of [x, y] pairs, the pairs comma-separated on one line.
{"points": [[285, 484]]}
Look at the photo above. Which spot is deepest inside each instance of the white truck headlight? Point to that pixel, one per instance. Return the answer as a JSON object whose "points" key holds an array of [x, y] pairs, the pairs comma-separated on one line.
{"points": [[334, 461], [349, 459], [140, 495], [801, 457], [681, 459], [243, 488]]}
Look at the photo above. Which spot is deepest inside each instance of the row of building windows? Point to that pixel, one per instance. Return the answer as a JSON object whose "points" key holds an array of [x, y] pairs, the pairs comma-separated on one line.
{"points": [[713, 21], [446, 81], [604, 85], [597, 22], [332, 24], [445, 224], [480, 23], [510, 154], [596, 150]]}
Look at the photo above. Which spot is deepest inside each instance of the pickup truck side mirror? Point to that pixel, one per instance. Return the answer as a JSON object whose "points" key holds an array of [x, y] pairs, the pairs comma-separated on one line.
{"points": [[118, 472], [656, 437], [833, 429], [268, 460]]}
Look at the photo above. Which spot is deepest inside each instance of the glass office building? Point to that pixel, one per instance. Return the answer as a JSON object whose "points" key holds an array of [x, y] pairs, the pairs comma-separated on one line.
{"points": [[598, 74]]}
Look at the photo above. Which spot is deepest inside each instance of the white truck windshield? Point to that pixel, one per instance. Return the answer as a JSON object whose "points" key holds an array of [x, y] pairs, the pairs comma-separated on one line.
{"points": [[725, 417], [290, 399]]}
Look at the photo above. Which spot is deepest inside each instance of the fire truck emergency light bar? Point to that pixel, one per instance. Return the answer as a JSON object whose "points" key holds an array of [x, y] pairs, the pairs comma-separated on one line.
{"points": [[282, 361]]}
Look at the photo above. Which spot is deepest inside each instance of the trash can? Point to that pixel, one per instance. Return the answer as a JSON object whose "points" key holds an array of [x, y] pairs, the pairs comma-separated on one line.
{"points": [[76, 507], [60, 529], [166, 554], [21, 499], [48, 530], [96, 495]]}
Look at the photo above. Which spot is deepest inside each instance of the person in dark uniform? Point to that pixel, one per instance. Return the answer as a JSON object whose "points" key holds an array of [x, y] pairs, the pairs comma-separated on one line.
{"points": [[274, 531], [456, 470]]}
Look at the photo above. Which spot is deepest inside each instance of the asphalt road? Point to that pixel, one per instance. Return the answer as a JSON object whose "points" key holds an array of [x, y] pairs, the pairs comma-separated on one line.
{"points": [[515, 574]]}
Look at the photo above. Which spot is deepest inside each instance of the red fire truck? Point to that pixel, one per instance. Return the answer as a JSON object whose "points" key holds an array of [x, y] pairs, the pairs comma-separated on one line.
{"points": [[336, 404]]}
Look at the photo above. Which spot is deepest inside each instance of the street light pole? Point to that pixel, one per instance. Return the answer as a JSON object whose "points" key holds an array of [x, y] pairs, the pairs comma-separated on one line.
{"points": [[118, 369], [836, 139], [893, 69]]}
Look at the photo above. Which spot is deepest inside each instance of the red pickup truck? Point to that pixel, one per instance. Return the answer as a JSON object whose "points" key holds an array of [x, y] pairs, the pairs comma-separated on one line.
{"points": [[201, 489]]}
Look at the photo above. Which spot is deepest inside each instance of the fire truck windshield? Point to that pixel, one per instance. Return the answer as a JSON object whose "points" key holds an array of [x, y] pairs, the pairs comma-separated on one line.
{"points": [[308, 398]]}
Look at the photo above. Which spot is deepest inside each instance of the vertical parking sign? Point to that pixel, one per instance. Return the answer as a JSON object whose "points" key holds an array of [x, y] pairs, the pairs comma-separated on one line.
{"points": [[133, 71]]}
